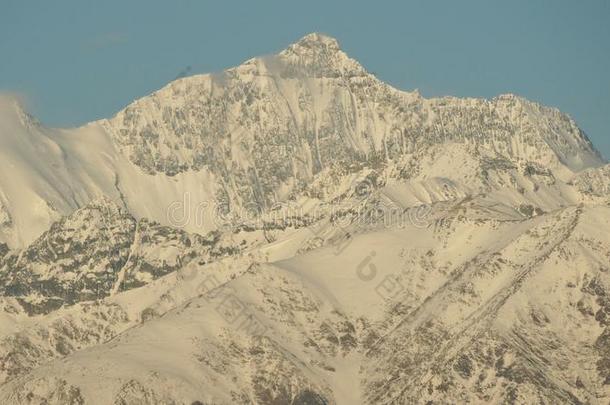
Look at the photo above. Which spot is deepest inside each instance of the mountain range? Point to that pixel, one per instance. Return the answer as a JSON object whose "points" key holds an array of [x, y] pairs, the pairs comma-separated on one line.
{"points": [[293, 230]]}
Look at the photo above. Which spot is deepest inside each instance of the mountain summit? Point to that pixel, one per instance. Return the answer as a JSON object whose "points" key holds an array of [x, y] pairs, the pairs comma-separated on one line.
{"points": [[319, 55], [316, 40]]}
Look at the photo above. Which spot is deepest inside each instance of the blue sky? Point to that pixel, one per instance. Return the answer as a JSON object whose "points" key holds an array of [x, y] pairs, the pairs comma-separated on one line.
{"points": [[75, 61]]}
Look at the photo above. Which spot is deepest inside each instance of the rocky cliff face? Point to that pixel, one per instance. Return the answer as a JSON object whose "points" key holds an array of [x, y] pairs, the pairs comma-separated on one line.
{"points": [[99, 251]]}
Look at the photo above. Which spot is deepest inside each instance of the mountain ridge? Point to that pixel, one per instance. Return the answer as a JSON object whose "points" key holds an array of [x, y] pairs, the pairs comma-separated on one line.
{"points": [[296, 61]]}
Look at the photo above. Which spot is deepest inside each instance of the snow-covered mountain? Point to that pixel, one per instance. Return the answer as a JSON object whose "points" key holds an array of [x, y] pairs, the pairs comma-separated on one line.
{"points": [[261, 133], [295, 231]]}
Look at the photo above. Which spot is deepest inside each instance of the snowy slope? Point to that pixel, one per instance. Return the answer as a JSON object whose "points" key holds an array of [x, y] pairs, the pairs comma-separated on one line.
{"points": [[49, 173], [463, 310]]}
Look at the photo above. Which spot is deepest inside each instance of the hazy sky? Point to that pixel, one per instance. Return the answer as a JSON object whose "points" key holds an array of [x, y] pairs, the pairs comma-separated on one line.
{"points": [[75, 61]]}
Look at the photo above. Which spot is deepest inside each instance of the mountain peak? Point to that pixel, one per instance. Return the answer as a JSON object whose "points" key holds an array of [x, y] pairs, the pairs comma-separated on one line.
{"points": [[319, 55], [316, 40]]}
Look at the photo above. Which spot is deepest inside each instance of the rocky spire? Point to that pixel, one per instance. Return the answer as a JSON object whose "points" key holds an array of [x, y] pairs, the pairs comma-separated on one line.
{"points": [[319, 55]]}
